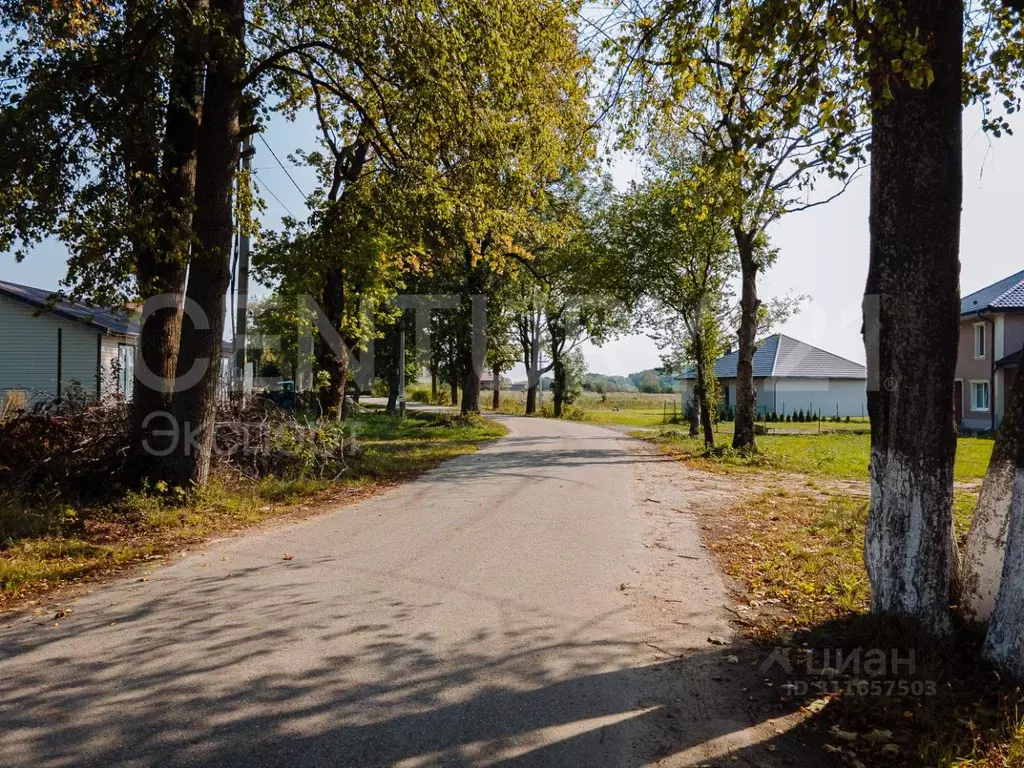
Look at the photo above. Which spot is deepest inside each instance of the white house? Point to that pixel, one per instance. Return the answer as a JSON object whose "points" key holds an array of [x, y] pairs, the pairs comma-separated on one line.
{"points": [[790, 376], [47, 348]]}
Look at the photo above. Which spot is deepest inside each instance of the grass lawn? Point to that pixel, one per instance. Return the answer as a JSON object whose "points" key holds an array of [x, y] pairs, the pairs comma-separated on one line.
{"points": [[85, 542], [836, 455]]}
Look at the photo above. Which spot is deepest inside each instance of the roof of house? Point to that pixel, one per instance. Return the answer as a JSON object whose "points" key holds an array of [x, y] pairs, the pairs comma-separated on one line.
{"points": [[1006, 295], [103, 319], [781, 356]]}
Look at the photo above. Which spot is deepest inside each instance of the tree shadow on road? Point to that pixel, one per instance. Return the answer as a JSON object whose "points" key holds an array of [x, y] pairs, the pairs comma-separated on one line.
{"points": [[358, 679]]}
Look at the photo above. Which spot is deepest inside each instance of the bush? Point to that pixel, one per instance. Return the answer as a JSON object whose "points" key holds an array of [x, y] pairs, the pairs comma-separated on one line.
{"points": [[420, 396], [847, 419], [451, 420], [574, 413], [379, 388]]}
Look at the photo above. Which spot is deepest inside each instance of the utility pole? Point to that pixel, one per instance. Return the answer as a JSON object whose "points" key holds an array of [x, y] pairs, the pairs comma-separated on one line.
{"points": [[401, 366], [242, 305]]}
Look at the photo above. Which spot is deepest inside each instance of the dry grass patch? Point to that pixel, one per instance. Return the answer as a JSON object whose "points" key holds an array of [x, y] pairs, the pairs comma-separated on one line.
{"points": [[797, 560], [62, 543]]}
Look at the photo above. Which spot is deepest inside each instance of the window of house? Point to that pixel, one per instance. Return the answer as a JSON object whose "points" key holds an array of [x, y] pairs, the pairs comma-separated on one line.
{"points": [[979, 395], [125, 370], [979, 341]]}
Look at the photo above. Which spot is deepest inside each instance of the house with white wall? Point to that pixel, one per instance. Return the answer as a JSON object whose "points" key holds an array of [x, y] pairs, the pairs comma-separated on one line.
{"points": [[50, 346], [791, 375]]}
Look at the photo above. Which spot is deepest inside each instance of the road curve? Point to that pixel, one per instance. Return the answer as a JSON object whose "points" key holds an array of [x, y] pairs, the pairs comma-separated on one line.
{"points": [[484, 614]]}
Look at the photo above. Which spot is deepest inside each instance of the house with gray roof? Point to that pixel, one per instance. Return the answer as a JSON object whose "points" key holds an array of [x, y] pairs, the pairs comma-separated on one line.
{"points": [[989, 351], [50, 346], [791, 375]]}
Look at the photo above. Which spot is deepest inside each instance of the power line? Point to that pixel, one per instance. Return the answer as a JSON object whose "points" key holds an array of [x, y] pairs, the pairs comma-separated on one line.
{"points": [[265, 186], [286, 173]]}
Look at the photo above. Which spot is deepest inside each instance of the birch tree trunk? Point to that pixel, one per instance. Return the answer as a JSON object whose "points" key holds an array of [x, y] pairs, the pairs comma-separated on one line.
{"points": [[912, 323], [496, 388], [1004, 643], [983, 560]]}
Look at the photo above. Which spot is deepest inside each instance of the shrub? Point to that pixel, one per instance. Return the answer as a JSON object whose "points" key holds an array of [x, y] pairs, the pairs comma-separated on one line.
{"points": [[379, 388], [420, 396], [847, 419], [451, 420], [575, 413]]}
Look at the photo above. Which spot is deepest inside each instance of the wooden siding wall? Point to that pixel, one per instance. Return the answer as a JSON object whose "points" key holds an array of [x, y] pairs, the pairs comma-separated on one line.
{"points": [[28, 352]]}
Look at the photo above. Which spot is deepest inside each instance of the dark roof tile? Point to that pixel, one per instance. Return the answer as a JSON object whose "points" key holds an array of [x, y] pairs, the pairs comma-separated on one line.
{"points": [[780, 356]]}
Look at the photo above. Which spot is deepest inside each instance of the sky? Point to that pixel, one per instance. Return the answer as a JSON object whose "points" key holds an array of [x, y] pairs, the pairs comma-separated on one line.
{"points": [[823, 252]]}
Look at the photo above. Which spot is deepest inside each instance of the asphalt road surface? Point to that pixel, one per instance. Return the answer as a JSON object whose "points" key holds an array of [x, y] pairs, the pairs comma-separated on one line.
{"points": [[510, 608]]}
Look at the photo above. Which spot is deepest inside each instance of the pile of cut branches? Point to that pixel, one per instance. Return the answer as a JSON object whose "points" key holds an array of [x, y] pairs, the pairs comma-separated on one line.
{"points": [[53, 446], [259, 439]]}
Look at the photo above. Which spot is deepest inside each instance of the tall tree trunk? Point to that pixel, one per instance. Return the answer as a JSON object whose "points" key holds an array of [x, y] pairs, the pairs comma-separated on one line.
{"points": [[746, 395], [558, 386], [1005, 639], [911, 324], [694, 413], [496, 387], [433, 381], [348, 164], [705, 407], [209, 272], [533, 374], [472, 338], [983, 560], [160, 271], [332, 397], [394, 373], [453, 380], [471, 390]]}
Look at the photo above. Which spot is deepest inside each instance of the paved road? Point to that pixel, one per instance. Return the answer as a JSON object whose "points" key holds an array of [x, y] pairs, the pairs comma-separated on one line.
{"points": [[485, 614]]}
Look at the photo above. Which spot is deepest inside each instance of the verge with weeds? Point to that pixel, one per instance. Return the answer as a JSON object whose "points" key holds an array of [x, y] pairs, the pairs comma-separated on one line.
{"points": [[836, 455], [55, 538], [797, 555]]}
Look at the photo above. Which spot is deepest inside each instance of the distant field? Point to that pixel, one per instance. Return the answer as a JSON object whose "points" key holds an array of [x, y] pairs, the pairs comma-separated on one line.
{"points": [[840, 451], [835, 455]]}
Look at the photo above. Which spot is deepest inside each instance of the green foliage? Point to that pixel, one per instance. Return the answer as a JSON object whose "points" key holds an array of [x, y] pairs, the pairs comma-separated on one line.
{"points": [[419, 395], [649, 383], [574, 413]]}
